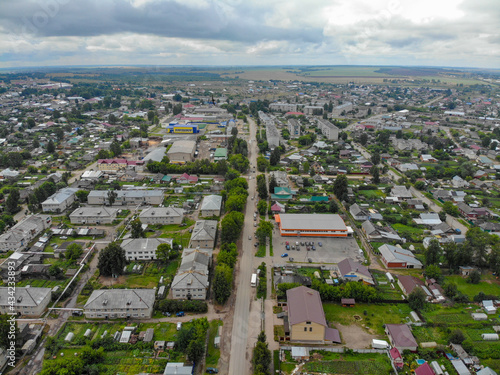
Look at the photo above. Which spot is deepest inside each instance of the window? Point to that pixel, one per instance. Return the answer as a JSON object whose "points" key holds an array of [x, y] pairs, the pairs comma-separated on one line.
{"points": [[308, 322], [305, 329], [310, 329]]}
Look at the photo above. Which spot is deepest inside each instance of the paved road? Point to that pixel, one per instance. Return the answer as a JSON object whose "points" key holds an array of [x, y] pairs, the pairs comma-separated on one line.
{"points": [[239, 362]]}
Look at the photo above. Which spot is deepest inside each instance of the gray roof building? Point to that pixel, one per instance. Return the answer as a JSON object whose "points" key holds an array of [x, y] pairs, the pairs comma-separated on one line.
{"points": [[211, 205], [120, 303], [60, 200], [162, 215], [191, 281], [93, 215], [204, 234], [28, 301], [143, 248]]}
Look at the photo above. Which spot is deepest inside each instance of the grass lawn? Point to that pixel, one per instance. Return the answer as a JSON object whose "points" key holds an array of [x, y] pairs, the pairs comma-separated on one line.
{"points": [[261, 252], [487, 287], [385, 286], [376, 315], [355, 363], [41, 283], [213, 353], [401, 228], [452, 316], [371, 194]]}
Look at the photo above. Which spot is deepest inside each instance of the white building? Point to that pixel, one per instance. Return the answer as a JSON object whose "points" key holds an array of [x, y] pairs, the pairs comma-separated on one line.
{"points": [[162, 215], [120, 303], [191, 281], [204, 234], [93, 215], [20, 235], [143, 248], [211, 206], [27, 301], [126, 197], [59, 201], [330, 131]]}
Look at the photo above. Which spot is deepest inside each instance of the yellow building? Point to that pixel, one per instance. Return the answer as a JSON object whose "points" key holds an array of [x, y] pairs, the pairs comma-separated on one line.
{"points": [[306, 318]]}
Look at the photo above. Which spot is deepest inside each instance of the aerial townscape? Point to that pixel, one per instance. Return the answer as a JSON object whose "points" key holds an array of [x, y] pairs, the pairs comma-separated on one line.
{"points": [[232, 187]]}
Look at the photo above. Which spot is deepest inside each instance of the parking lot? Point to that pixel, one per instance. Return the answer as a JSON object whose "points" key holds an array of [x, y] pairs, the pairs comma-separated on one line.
{"points": [[333, 250]]}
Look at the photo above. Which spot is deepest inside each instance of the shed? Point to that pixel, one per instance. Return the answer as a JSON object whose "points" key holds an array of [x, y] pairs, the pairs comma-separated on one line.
{"points": [[490, 336], [69, 337], [124, 339], [414, 316], [428, 344], [348, 302], [159, 345], [28, 346], [460, 367], [437, 369], [479, 316], [379, 344], [300, 353], [87, 333], [148, 336]]}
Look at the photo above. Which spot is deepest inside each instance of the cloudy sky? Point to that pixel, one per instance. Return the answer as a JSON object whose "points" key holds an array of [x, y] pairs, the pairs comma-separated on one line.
{"points": [[250, 32]]}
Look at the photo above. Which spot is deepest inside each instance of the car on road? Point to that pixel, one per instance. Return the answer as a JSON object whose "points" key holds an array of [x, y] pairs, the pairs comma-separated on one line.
{"points": [[320, 244], [256, 244], [254, 224], [211, 370], [180, 313], [284, 255], [287, 247]]}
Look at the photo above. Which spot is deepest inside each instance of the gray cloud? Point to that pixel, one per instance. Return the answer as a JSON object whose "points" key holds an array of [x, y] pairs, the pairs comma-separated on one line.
{"points": [[162, 18]]}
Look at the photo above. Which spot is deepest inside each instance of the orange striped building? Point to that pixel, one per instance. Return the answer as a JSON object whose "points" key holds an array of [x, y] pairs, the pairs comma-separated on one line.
{"points": [[311, 225]]}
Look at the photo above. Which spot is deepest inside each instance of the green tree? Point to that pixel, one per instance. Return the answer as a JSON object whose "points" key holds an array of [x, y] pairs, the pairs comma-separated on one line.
{"points": [[136, 229], [82, 195], [164, 252], [451, 209], [231, 226], [375, 174], [227, 254], [112, 197], [262, 207], [111, 260], [363, 139], [375, 158], [417, 299], [195, 350], [274, 159], [73, 252], [272, 184], [457, 337], [261, 187], [30, 123], [222, 283], [236, 203], [433, 253], [11, 204], [264, 230], [56, 272], [115, 148], [51, 148], [474, 277], [340, 187], [262, 164], [433, 271]]}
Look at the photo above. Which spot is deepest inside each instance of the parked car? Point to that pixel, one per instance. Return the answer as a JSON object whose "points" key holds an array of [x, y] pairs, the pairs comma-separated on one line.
{"points": [[287, 243], [287, 247], [212, 370], [298, 248], [249, 237], [308, 248], [302, 243], [180, 313], [320, 244], [77, 313], [166, 313], [313, 247], [291, 259], [309, 260], [284, 255], [256, 244], [293, 247], [179, 326]]}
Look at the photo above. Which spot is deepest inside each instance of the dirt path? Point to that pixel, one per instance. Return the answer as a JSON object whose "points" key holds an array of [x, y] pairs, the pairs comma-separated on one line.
{"points": [[355, 337]]}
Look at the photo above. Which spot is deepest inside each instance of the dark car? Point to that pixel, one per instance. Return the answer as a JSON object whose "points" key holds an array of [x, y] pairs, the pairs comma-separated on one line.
{"points": [[77, 313], [313, 247], [320, 244], [288, 247], [309, 260], [180, 313], [212, 370]]}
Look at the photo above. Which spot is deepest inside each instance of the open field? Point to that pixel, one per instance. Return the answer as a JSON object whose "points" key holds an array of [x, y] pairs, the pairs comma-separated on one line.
{"points": [[491, 286], [376, 315]]}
